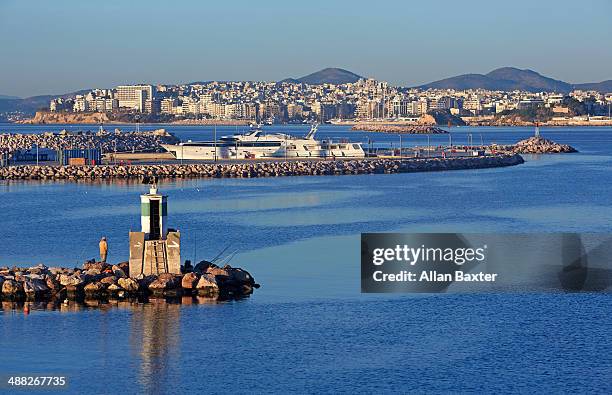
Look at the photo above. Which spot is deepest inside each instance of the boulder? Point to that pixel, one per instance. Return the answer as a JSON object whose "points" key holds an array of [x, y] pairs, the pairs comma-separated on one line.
{"points": [[92, 272], [114, 288], [94, 265], [118, 271], [74, 279], [38, 269], [52, 283], [164, 282], [125, 266], [207, 284], [144, 281], [190, 280], [35, 286], [202, 266], [217, 271], [64, 279], [239, 275], [109, 280], [130, 285], [94, 288], [11, 288]]}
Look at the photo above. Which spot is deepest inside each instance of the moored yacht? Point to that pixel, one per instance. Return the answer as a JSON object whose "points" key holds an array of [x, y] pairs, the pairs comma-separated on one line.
{"points": [[257, 144]]}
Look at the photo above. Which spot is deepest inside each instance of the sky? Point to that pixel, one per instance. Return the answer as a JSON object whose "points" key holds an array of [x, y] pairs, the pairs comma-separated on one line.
{"points": [[54, 47]]}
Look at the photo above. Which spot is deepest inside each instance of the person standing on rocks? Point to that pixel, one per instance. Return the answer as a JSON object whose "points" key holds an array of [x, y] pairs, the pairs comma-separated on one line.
{"points": [[103, 249]]}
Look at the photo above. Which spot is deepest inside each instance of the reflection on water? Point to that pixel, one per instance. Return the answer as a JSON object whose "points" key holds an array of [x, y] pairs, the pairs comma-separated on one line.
{"points": [[154, 337], [154, 332], [104, 305]]}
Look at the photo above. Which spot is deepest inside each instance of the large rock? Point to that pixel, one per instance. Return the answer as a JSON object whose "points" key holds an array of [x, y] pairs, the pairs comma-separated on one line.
{"points": [[38, 269], [164, 282], [118, 271], [239, 275], [11, 288], [202, 266], [114, 288], [207, 285], [95, 265], [130, 285], [74, 279], [217, 271], [94, 288], [109, 280], [92, 272], [125, 266], [52, 283], [190, 280], [35, 286]]}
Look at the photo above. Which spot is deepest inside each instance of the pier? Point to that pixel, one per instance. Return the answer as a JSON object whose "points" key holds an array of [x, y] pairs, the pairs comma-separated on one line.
{"points": [[97, 280], [154, 268], [255, 169]]}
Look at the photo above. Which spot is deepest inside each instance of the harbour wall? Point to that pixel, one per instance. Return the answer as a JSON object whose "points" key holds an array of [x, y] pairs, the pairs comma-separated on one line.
{"points": [[258, 169], [97, 280]]}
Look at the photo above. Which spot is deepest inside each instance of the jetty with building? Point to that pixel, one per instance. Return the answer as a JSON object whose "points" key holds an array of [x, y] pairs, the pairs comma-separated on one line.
{"points": [[154, 269]]}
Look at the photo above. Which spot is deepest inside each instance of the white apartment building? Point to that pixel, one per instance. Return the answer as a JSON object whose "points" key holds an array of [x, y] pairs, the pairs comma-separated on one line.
{"points": [[167, 105], [134, 96], [80, 104], [473, 104]]}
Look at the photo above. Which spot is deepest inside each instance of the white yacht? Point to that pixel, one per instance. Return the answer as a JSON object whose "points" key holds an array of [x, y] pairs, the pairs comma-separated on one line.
{"points": [[257, 144]]}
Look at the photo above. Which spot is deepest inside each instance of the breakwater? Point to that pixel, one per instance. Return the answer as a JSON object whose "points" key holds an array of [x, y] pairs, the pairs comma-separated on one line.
{"points": [[97, 280], [107, 141], [531, 145], [257, 169], [540, 145], [399, 129]]}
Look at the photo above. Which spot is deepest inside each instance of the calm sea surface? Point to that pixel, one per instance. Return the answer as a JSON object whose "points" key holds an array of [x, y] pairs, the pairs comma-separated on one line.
{"points": [[308, 328]]}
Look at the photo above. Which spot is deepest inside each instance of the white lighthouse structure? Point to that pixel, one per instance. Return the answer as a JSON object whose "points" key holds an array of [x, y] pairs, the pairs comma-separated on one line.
{"points": [[156, 249], [153, 214]]}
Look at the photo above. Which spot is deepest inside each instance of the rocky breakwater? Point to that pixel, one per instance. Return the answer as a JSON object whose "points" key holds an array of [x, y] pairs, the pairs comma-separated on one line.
{"points": [[96, 280], [257, 169], [399, 129], [540, 145], [107, 141]]}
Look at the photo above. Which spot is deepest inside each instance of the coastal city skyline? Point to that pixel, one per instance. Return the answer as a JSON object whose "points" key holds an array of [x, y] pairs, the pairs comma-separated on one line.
{"points": [[513, 95], [410, 46], [282, 197]]}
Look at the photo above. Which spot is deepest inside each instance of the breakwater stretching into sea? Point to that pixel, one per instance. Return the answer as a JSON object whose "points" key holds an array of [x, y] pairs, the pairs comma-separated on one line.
{"points": [[400, 129], [117, 141], [98, 280], [257, 169]]}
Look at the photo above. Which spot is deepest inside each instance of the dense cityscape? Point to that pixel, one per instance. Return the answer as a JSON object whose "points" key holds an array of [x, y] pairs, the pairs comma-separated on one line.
{"points": [[365, 99]]}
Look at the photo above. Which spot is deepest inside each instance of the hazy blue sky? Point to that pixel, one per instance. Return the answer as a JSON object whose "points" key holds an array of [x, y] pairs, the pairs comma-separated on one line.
{"points": [[51, 47]]}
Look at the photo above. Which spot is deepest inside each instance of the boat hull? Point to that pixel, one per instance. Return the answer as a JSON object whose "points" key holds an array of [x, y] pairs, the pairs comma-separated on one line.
{"points": [[292, 150]]}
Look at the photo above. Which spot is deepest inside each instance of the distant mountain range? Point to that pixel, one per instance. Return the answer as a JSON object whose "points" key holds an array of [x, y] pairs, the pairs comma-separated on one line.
{"points": [[511, 78], [505, 78], [330, 75], [29, 105]]}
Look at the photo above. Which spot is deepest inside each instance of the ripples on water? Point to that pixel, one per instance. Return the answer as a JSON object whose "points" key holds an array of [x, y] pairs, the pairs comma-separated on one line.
{"points": [[308, 329], [442, 343]]}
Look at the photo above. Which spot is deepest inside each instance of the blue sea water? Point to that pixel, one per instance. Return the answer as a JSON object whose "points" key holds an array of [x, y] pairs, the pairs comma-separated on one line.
{"points": [[308, 328]]}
